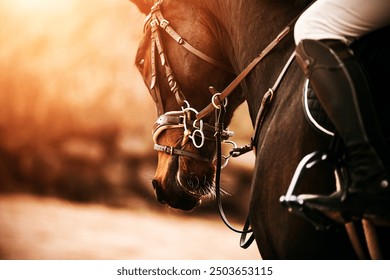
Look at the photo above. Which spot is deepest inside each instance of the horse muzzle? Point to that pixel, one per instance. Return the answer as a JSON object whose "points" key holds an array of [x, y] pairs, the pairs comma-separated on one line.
{"points": [[175, 197]]}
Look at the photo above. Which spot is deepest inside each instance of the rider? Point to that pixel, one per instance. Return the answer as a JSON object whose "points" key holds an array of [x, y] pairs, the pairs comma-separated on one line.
{"points": [[323, 34]]}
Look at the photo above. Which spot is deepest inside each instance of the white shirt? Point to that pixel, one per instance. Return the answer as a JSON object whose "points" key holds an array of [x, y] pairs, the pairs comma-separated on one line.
{"points": [[344, 20]]}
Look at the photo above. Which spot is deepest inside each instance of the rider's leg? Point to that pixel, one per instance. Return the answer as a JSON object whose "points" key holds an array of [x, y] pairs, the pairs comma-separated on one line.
{"points": [[342, 88]]}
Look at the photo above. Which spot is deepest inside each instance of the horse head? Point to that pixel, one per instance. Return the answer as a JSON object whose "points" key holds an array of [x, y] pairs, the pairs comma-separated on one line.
{"points": [[179, 57]]}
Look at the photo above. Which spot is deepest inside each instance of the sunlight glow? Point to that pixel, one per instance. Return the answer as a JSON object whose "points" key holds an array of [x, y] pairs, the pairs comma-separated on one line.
{"points": [[38, 5]]}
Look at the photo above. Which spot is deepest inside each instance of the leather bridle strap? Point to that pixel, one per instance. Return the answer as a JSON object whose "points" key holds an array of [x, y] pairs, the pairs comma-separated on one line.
{"points": [[232, 86], [179, 152], [164, 24], [154, 87]]}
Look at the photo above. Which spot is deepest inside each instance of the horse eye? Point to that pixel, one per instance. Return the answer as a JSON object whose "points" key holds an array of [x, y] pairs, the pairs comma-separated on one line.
{"points": [[141, 62]]}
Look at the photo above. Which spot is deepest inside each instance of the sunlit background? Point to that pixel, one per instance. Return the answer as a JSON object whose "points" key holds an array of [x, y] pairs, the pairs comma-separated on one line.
{"points": [[76, 154]]}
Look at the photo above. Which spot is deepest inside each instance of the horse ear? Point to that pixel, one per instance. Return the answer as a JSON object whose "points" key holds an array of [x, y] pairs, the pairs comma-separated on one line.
{"points": [[143, 5]]}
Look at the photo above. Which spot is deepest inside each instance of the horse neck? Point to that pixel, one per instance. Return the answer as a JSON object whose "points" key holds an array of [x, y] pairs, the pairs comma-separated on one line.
{"points": [[248, 32]]}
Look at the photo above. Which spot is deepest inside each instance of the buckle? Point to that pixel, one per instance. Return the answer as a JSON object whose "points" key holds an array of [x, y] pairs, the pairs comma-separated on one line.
{"points": [[164, 23], [169, 150], [154, 23]]}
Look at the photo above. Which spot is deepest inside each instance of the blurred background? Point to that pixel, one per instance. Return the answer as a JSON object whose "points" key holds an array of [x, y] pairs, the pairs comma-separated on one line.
{"points": [[76, 156]]}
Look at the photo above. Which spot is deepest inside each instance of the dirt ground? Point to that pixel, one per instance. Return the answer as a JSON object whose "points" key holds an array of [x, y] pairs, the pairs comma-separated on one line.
{"points": [[33, 227]]}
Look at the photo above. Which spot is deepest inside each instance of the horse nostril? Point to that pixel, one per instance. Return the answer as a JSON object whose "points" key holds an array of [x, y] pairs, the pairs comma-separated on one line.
{"points": [[155, 184], [157, 189]]}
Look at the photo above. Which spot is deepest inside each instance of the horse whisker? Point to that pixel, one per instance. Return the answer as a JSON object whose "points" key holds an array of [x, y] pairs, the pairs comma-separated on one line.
{"points": [[197, 186]]}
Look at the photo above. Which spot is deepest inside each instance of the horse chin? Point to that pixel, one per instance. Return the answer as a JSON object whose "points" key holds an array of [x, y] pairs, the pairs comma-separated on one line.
{"points": [[183, 188], [176, 197]]}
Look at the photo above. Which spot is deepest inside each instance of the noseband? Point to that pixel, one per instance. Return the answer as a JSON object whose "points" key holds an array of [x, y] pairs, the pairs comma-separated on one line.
{"points": [[178, 119], [194, 129]]}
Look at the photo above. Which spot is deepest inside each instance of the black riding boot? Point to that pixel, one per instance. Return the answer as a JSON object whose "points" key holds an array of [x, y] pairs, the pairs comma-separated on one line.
{"points": [[342, 89]]}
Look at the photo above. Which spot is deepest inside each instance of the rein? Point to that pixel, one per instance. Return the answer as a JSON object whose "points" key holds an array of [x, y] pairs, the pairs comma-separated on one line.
{"points": [[266, 101], [218, 99], [229, 89]]}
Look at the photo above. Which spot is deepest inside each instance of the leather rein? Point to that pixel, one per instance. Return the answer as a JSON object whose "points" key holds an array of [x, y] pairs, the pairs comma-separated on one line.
{"points": [[190, 119]]}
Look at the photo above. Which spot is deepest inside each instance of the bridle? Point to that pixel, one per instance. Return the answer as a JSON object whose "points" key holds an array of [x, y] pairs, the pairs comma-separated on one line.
{"points": [[190, 119], [194, 129]]}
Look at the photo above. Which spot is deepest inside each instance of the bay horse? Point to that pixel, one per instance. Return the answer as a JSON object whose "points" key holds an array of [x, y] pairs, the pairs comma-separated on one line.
{"points": [[189, 45]]}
